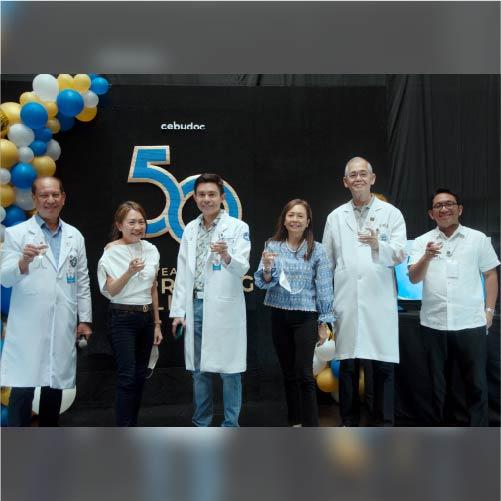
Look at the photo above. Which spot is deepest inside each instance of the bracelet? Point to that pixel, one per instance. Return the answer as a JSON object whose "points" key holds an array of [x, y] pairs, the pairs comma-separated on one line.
{"points": [[491, 310], [159, 322]]}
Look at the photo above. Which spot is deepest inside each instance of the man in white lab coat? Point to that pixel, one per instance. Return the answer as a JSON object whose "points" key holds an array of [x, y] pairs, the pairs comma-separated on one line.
{"points": [[208, 300], [365, 238], [44, 261]]}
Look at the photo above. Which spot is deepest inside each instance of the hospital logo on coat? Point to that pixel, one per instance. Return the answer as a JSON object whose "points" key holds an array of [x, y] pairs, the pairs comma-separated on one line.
{"points": [[147, 167]]}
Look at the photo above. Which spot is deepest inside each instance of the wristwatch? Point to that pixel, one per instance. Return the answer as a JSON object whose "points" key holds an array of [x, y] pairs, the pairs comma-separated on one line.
{"points": [[491, 310]]}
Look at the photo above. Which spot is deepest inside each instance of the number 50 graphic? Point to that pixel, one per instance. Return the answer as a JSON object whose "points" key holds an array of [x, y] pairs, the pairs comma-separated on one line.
{"points": [[145, 168]]}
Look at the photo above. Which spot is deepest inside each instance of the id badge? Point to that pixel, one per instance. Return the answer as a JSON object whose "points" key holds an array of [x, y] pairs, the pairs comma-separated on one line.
{"points": [[216, 267], [70, 279], [452, 269]]}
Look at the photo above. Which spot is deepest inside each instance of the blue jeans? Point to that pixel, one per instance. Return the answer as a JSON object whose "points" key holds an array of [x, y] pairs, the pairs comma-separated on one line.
{"points": [[202, 383], [131, 335]]}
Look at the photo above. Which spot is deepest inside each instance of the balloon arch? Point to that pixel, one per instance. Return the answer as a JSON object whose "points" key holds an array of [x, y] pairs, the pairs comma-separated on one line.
{"points": [[28, 148]]}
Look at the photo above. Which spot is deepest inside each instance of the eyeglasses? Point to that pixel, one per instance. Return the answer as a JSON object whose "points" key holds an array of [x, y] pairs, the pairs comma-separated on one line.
{"points": [[447, 205], [362, 173]]}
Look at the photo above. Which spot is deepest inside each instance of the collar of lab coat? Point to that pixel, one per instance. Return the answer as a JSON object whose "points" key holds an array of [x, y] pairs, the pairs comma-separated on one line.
{"points": [[376, 206], [66, 241]]}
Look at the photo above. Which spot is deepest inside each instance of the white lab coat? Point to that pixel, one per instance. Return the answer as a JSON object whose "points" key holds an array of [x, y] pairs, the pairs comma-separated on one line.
{"points": [[365, 296], [224, 332], [39, 348]]}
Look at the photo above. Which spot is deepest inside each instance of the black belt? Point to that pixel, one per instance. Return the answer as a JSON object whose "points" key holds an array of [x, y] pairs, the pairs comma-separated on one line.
{"points": [[143, 308]]}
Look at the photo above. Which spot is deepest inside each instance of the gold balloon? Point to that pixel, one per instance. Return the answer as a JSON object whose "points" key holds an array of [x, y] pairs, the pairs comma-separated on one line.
{"points": [[9, 154], [5, 395], [13, 112], [31, 212], [51, 108], [327, 382], [7, 195], [65, 81], [29, 97], [54, 125], [5, 122], [45, 166], [87, 114], [81, 82]]}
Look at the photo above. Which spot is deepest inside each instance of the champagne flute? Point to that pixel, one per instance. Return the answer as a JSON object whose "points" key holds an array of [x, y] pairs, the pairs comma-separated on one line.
{"points": [[137, 253], [39, 241]]}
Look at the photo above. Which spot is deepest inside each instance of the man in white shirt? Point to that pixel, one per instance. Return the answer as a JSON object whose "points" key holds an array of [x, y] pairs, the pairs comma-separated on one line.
{"points": [[365, 238], [449, 260], [208, 299]]}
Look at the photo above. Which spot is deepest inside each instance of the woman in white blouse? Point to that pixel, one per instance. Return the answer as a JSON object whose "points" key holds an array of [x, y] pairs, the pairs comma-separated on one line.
{"points": [[127, 273]]}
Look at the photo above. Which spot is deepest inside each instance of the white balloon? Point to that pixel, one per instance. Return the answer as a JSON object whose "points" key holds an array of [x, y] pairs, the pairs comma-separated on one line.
{"points": [[90, 99], [2, 232], [67, 398], [26, 154], [326, 351], [24, 199], [2, 213], [45, 87], [4, 176], [21, 135], [53, 149], [318, 365]]}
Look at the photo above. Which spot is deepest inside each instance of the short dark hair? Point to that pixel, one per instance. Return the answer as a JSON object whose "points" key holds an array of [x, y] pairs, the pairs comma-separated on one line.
{"points": [[209, 178], [444, 190], [34, 184]]}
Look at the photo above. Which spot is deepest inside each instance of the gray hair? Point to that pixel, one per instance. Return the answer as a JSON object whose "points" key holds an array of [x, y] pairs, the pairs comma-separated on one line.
{"points": [[369, 166]]}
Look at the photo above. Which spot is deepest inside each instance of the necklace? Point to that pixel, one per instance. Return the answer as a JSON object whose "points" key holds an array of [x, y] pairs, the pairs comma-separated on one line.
{"points": [[294, 251]]}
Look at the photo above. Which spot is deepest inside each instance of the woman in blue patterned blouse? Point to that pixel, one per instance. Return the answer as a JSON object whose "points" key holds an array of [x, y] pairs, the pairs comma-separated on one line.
{"points": [[296, 274]]}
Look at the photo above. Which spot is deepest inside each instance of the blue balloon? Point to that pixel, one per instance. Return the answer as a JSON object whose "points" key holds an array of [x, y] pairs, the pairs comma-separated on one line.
{"points": [[99, 85], [93, 76], [44, 134], [70, 102], [335, 364], [14, 215], [1, 339], [5, 302], [34, 115], [65, 122], [22, 175], [4, 418], [38, 147]]}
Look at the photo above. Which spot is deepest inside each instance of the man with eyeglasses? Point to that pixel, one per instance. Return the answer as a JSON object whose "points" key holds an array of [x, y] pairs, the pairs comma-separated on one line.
{"points": [[365, 238], [44, 261], [450, 260]]}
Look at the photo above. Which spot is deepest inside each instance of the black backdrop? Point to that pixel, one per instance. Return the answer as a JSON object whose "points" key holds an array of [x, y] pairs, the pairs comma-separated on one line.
{"points": [[273, 138]]}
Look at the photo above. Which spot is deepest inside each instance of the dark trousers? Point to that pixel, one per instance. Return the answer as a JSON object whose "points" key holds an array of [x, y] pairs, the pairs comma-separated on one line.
{"points": [[295, 334], [21, 402], [383, 392], [131, 336], [468, 348]]}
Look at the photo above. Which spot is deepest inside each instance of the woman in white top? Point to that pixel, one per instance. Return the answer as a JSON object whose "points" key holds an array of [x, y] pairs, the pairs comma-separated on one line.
{"points": [[127, 273]]}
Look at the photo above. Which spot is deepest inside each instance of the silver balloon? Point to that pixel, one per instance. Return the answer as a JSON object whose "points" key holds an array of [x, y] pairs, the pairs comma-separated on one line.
{"points": [[24, 200], [53, 149], [2, 213], [2, 232], [45, 86], [4, 176], [21, 135], [26, 154], [91, 99]]}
